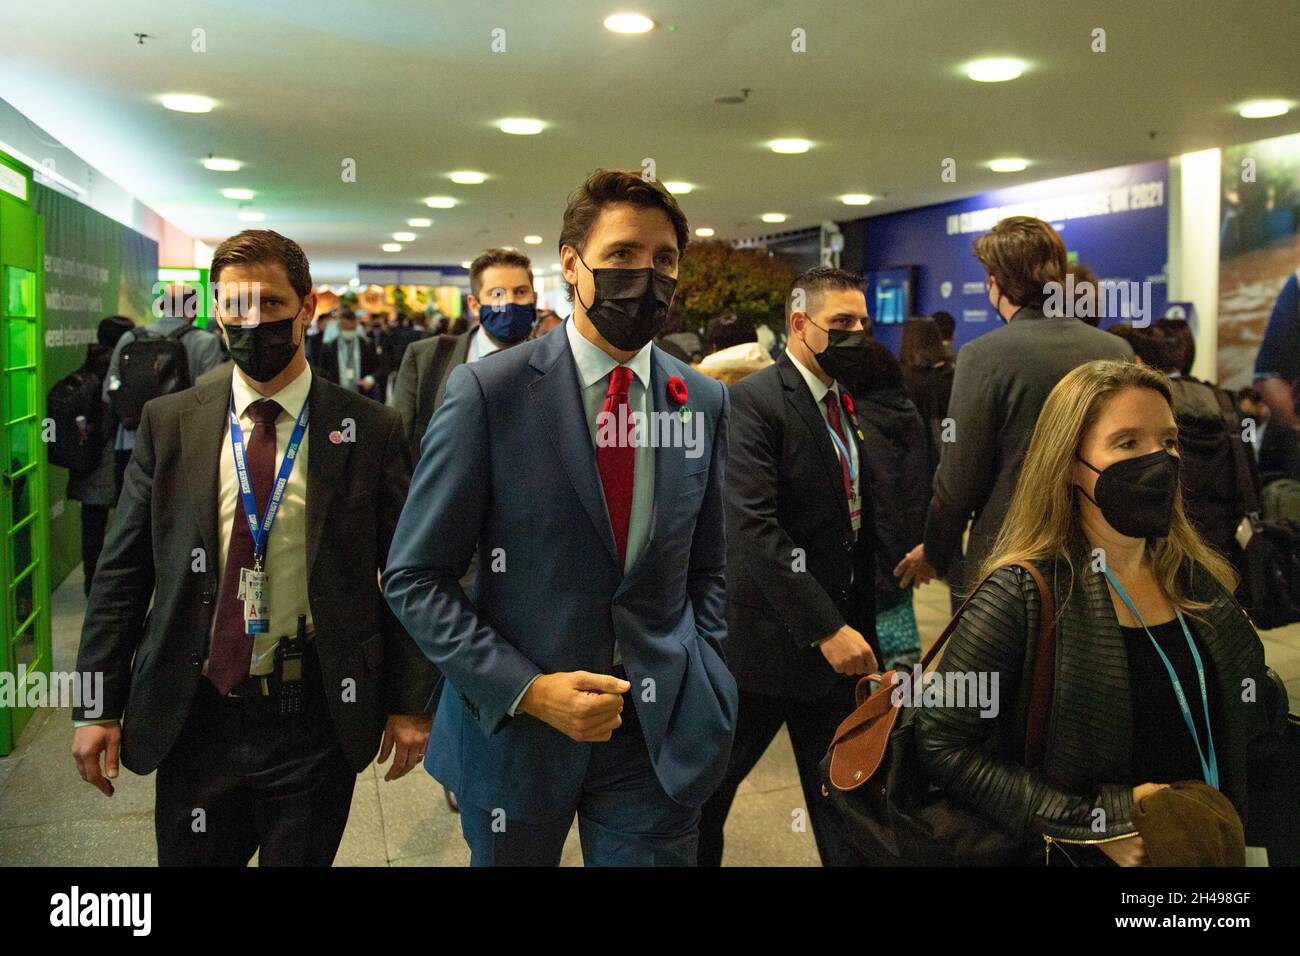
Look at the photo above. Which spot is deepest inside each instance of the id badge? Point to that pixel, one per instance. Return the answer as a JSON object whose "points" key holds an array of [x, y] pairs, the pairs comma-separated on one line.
{"points": [[855, 514], [347, 376], [257, 604]]}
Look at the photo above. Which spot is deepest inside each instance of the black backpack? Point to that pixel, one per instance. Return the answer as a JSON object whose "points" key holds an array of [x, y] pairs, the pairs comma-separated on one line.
{"points": [[76, 447], [150, 365]]}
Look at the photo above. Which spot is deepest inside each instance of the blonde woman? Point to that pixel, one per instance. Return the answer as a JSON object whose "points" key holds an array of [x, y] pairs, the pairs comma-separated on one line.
{"points": [[1145, 617]]}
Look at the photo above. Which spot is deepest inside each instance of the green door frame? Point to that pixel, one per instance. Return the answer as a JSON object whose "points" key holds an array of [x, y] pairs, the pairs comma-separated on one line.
{"points": [[24, 510]]}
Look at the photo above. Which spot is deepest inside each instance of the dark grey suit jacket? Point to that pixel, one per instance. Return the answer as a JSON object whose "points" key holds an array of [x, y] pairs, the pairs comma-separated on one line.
{"points": [[1001, 382], [152, 656], [422, 382]]}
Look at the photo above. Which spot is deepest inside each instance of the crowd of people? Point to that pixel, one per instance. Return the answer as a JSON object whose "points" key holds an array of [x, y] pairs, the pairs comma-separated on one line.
{"points": [[590, 568]]}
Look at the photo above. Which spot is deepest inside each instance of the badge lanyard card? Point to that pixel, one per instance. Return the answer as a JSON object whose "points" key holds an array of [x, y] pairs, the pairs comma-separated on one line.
{"points": [[253, 582], [855, 501]]}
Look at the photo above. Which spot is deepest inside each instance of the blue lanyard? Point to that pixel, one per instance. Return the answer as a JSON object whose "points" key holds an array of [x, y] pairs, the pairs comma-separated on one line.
{"points": [[261, 531], [844, 452], [1210, 765]]}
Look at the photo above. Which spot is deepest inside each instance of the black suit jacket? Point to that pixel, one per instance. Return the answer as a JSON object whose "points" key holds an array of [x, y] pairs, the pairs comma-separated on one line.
{"points": [[785, 491], [152, 657], [422, 382], [1279, 453], [327, 363]]}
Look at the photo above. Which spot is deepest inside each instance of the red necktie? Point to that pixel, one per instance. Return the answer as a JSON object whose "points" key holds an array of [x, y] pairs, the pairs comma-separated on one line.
{"points": [[232, 647], [617, 461], [833, 415]]}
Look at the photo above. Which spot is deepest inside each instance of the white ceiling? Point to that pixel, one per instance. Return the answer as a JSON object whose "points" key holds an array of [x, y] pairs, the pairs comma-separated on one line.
{"points": [[411, 91]]}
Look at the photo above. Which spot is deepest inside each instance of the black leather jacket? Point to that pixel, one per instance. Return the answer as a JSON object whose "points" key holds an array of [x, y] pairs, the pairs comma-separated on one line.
{"points": [[977, 761]]}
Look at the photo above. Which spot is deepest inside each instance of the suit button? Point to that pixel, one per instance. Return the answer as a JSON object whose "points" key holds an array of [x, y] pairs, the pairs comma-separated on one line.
{"points": [[196, 660], [207, 597]]}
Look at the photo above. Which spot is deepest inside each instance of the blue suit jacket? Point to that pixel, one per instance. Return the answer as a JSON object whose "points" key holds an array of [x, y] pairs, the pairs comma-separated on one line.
{"points": [[507, 466]]}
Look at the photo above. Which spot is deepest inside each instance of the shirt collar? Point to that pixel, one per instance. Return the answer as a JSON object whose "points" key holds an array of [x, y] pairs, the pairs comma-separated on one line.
{"points": [[815, 385], [290, 397], [483, 343], [594, 364]]}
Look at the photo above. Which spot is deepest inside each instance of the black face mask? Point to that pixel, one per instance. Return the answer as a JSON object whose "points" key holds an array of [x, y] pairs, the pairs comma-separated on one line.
{"points": [[264, 350], [845, 356], [630, 306], [1136, 495]]}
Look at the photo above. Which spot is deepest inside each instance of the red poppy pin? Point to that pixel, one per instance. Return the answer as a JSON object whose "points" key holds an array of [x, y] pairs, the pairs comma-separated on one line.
{"points": [[847, 401], [677, 394]]}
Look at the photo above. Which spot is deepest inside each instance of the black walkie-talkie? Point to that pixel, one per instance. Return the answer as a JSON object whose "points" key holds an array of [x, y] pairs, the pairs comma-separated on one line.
{"points": [[288, 663]]}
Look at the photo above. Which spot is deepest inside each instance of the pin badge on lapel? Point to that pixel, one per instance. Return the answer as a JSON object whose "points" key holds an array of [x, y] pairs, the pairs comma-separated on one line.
{"points": [[678, 394], [336, 437]]}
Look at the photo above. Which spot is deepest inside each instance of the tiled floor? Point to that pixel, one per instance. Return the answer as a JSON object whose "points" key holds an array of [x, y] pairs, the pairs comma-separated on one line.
{"points": [[49, 817]]}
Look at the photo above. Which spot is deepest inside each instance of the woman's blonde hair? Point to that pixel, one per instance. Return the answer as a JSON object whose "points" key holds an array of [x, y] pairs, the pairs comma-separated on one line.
{"points": [[1043, 522]]}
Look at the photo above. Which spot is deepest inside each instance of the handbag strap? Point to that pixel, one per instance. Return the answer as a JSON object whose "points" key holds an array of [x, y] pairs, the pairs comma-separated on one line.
{"points": [[1040, 682], [1245, 480]]}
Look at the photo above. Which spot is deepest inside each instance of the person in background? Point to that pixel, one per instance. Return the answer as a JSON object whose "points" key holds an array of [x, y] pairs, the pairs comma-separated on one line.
{"points": [[1181, 332], [546, 320], [734, 351], [1276, 448], [352, 361], [401, 334], [96, 489], [896, 461], [322, 329], [601, 564], [800, 552], [947, 330], [1083, 276], [1152, 651], [1277, 366], [503, 301], [202, 351], [927, 375], [191, 619], [999, 386]]}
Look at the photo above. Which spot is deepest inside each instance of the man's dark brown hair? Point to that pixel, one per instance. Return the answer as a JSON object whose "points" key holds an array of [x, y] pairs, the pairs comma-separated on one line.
{"points": [[1023, 254], [496, 257], [1085, 276], [816, 281], [605, 187], [922, 344], [262, 246]]}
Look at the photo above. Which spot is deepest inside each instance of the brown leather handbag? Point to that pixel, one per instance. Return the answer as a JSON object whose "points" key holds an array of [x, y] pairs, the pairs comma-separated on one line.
{"points": [[872, 773]]}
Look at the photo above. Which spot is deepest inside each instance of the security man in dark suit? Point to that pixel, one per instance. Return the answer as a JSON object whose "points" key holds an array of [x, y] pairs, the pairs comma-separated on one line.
{"points": [[351, 360], [800, 552], [503, 301], [256, 516]]}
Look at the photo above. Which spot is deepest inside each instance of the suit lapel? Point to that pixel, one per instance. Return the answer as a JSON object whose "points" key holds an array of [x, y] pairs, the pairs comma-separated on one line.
{"points": [[202, 442], [325, 458], [459, 353], [557, 394], [800, 397]]}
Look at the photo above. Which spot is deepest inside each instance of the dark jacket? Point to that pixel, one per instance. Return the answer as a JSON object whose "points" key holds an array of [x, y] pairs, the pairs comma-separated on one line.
{"points": [[930, 390], [328, 364], [895, 468], [149, 614], [794, 573], [977, 761], [1002, 380], [422, 382], [1279, 453]]}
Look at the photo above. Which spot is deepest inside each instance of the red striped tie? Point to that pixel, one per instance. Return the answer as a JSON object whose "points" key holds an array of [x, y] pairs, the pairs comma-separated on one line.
{"points": [[617, 460]]}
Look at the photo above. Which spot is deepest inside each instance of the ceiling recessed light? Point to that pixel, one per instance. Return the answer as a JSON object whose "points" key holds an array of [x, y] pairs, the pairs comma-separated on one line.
{"points": [[188, 103], [789, 145], [467, 177], [1263, 109], [354, 282], [855, 199], [222, 165], [466, 264], [392, 247], [252, 217], [419, 223], [520, 126], [629, 23], [704, 232], [238, 193], [440, 202], [533, 240], [404, 236], [677, 186], [996, 69], [1008, 165], [773, 217]]}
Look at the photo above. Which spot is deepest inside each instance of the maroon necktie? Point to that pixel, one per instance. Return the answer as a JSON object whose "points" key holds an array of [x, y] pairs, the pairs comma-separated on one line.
{"points": [[833, 415], [617, 461], [232, 647]]}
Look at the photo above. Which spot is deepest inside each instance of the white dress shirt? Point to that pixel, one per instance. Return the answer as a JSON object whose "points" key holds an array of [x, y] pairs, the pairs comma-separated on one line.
{"points": [[286, 549], [480, 345], [849, 426]]}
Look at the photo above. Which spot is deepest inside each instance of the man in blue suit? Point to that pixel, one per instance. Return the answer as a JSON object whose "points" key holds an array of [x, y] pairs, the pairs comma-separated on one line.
{"points": [[585, 674]]}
